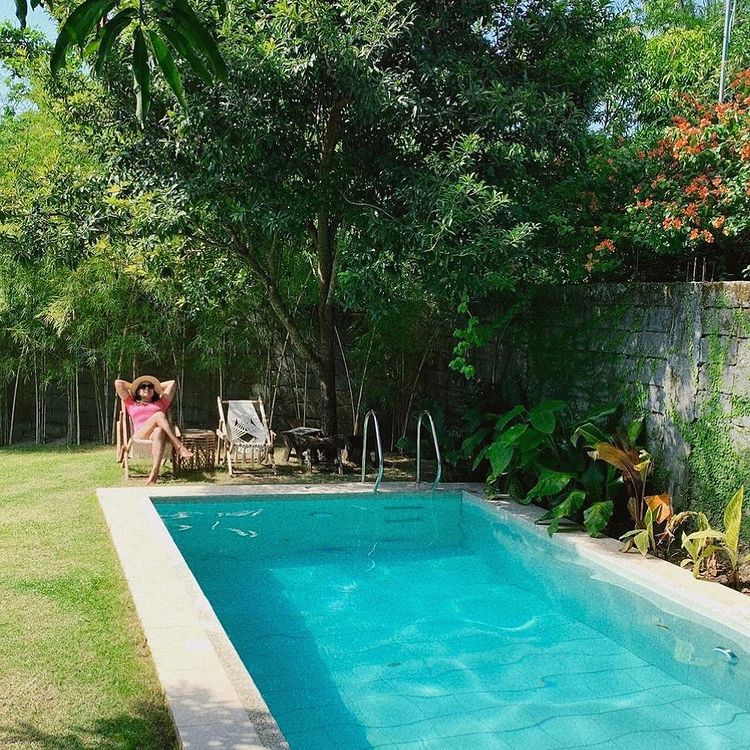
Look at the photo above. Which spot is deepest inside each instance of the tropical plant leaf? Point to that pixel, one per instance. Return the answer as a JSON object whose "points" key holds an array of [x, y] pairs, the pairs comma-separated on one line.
{"points": [[596, 517], [473, 441], [194, 30], [634, 430], [168, 68], [641, 541], [112, 30], [706, 534], [512, 434], [732, 524], [600, 412], [505, 418], [568, 508], [480, 457], [141, 76], [590, 433], [22, 9], [550, 483], [542, 416], [530, 440], [500, 456], [661, 505], [76, 28], [183, 48]]}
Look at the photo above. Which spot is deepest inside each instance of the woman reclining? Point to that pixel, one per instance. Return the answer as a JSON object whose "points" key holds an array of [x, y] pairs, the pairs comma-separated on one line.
{"points": [[146, 401]]}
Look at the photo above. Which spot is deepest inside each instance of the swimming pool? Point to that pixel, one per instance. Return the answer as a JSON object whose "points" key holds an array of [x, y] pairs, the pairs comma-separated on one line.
{"points": [[428, 621]]}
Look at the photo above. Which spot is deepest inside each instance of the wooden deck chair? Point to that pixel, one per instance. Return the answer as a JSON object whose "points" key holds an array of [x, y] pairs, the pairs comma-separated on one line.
{"points": [[244, 440], [130, 449]]}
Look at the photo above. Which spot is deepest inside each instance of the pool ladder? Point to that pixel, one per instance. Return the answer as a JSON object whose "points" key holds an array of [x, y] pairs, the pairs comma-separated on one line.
{"points": [[379, 443], [439, 470]]}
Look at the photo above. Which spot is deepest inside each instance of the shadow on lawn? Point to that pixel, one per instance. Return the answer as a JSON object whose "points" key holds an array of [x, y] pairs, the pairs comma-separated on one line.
{"points": [[148, 727]]}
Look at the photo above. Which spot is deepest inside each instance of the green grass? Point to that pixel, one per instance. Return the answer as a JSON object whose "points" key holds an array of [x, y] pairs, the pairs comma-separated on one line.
{"points": [[75, 671]]}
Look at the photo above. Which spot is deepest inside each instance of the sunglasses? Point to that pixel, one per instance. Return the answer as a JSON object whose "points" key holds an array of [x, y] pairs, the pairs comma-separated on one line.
{"points": [[145, 385]]}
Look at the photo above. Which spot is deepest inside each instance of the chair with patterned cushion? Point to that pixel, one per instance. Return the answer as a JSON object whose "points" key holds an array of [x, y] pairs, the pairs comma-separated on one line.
{"points": [[245, 440]]}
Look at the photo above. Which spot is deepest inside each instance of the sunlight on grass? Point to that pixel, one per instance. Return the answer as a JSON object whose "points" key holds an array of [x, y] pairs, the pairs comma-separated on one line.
{"points": [[74, 669]]}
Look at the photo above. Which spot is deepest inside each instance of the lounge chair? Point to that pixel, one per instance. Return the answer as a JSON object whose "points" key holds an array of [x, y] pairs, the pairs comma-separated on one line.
{"points": [[244, 439], [130, 449]]}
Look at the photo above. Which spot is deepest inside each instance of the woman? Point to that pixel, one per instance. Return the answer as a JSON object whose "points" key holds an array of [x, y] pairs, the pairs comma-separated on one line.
{"points": [[146, 401]]}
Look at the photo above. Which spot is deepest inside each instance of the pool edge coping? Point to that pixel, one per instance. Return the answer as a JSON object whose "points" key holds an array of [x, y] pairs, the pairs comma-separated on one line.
{"points": [[192, 634]]}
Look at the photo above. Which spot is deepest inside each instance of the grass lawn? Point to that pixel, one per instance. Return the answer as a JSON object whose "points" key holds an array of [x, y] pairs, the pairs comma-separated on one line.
{"points": [[75, 671]]}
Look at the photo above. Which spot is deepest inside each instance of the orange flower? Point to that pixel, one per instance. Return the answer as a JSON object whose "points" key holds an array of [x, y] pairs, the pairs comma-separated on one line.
{"points": [[605, 245], [718, 222], [694, 234], [707, 236], [672, 222]]}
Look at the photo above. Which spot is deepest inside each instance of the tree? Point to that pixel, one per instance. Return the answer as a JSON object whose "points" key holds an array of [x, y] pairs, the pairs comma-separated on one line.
{"points": [[369, 141]]}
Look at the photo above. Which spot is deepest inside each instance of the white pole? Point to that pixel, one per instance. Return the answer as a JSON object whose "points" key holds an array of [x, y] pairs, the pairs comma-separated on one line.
{"points": [[725, 47]]}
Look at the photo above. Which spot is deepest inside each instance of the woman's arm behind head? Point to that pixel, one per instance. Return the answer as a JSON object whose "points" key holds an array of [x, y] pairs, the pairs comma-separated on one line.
{"points": [[122, 388], [170, 387]]}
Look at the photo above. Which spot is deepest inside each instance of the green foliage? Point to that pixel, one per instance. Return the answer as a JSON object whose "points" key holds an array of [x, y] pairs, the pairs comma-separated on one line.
{"points": [[539, 456], [158, 32], [706, 542]]}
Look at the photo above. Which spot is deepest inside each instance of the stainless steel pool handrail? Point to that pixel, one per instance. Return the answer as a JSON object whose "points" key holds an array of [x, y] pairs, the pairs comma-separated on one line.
{"points": [[379, 478], [435, 443]]}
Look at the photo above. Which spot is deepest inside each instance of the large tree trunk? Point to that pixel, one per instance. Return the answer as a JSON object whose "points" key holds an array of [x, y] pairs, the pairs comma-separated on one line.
{"points": [[328, 403]]}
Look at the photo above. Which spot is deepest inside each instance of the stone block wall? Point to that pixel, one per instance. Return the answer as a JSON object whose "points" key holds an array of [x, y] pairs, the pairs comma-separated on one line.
{"points": [[680, 353]]}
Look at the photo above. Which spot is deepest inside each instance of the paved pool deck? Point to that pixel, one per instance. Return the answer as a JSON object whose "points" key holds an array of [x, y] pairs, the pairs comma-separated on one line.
{"points": [[212, 698]]}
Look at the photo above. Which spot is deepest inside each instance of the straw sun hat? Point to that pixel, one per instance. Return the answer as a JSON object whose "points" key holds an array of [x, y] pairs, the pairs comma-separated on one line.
{"points": [[146, 379]]}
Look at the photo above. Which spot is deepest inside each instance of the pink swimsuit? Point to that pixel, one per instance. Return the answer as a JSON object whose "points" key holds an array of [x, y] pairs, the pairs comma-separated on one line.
{"points": [[140, 411]]}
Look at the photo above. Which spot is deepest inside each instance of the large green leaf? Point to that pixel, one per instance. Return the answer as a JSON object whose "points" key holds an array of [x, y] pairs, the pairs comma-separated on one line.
{"points": [[596, 517], [181, 45], [530, 440], [22, 9], [473, 441], [550, 483], [568, 508], [141, 75], [506, 418], [112, 30], [480, 457], [193, 29], [599, 412], [590, 433], [732, 524], [542, 416], [168, 68], [634, 430], [500, 456], [76, 28], [512, 434]]}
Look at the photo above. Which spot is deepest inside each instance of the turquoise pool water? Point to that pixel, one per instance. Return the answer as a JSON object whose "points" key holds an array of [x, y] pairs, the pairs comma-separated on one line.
{"points": [[427, 621]]}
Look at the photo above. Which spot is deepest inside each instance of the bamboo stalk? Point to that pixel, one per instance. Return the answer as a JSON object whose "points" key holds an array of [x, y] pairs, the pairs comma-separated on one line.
{"points": [[13, 406]]}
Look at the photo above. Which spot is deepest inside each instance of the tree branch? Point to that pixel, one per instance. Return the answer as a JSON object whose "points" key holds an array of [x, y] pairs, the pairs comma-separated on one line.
{"points": [[277, 305]]}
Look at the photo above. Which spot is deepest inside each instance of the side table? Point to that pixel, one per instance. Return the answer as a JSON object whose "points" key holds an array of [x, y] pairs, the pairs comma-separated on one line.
{"points": [[203, 445]]}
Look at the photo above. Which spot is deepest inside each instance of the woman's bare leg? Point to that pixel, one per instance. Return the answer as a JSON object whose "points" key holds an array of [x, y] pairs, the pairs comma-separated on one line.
{"points": [[157, 453], [159, 420]]}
